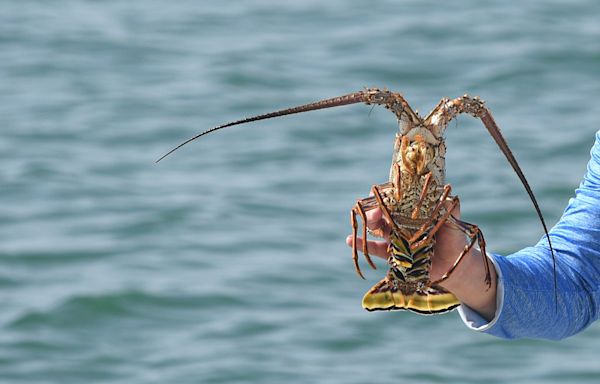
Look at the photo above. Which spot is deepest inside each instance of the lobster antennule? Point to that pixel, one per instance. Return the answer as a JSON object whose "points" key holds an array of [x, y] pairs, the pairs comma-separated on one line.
{"points": [[351, 98]]}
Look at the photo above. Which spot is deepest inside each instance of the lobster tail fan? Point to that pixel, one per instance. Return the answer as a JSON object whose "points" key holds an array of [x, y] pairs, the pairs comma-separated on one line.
{"points": [[430, 301]]}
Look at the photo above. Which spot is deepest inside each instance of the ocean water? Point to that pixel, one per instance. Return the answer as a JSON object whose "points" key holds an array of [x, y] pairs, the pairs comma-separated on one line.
{"points": [[226, 262]]}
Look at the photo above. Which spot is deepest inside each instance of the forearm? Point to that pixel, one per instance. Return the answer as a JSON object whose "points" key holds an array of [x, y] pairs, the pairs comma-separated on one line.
{"points": [[534, 307], [531, 306]]}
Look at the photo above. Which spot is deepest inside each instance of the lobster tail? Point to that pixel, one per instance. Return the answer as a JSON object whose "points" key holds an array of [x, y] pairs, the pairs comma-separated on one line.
{"points": [[384, 296]]}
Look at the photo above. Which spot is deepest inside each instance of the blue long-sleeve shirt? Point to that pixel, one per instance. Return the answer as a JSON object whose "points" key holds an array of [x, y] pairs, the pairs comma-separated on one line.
{"points": [[526, 305]]}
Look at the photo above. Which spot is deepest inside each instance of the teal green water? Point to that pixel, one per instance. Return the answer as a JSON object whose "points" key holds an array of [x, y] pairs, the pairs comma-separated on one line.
{"points": [[226, 263]]}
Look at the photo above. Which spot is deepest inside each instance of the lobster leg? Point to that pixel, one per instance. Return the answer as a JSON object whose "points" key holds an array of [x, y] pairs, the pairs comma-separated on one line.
{"points": [[472, 231], [397, 182], [386, 213], [415, 212], [438, 224], [354, 238], [476, 236], [432, 216], [361, 206], [358, 209]]}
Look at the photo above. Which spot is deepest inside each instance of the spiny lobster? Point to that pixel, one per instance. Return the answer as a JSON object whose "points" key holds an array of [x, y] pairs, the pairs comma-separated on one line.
{"points": [[415, 201]]}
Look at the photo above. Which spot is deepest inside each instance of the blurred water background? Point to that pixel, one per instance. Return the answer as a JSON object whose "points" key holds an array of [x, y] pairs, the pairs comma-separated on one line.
{"points": [[226, 263]]}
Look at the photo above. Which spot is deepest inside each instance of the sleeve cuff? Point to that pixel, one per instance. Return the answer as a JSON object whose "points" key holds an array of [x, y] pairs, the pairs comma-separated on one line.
{"points": [[472, 319]]}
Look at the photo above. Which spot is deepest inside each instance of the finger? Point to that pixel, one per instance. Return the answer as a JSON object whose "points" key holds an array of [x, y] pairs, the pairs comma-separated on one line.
{"points": [[376, 248], [375, 220], [377, 223], [374, 216]]}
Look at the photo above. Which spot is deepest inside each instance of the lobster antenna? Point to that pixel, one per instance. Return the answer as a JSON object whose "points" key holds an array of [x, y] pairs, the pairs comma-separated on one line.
{"points": [[490, 124], [351, 98]]}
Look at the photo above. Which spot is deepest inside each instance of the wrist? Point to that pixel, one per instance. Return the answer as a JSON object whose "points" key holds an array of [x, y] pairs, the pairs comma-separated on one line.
{"points": [[467, 283]]}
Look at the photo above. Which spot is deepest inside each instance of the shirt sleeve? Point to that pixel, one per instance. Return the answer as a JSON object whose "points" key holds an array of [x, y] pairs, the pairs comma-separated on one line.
{"points": [[529, 303]]}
